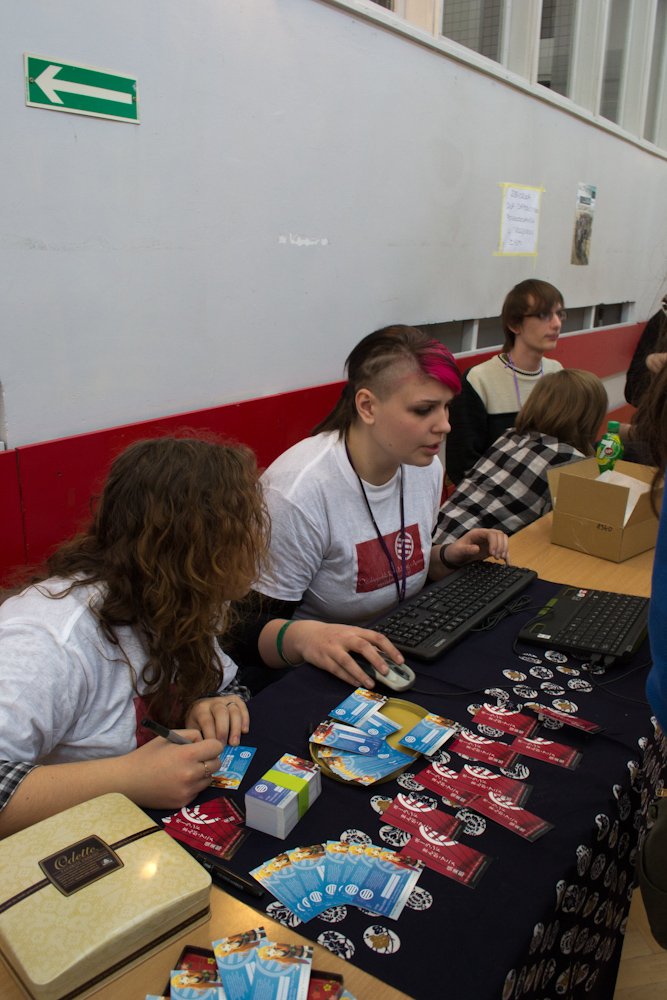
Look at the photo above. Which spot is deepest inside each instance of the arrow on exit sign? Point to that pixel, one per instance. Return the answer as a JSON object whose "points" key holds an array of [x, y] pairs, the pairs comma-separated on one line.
{"points": [[80, 90]]}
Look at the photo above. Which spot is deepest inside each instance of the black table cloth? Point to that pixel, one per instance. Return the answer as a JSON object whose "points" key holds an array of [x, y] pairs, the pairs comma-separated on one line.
{"points": [[547, 918]]}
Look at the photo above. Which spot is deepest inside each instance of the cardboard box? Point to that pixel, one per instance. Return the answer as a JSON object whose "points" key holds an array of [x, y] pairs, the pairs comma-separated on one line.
{"points": [[88, 892], [588, 515]]}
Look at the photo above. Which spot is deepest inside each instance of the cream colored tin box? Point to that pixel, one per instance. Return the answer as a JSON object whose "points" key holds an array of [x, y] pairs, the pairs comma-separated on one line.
{"points": [[90, 891]]}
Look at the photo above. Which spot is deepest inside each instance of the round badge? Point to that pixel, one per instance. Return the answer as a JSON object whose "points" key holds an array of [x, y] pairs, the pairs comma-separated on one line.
{"points": [[380, 939], [530, 658], [568, 670], [553, 689], [410, 782], [579, 684], [517, 770], [543, 673], [283, 914], [395, 838], [334, 914], [553, 656], [603, 823], [514, 675], [584, 855], [355, 837], [510, 983], [538, 934], [501, 696], [419, 899], [337, 944], [473, 824], [522, 691], [379, 803], [488, 731], [564, 705]]}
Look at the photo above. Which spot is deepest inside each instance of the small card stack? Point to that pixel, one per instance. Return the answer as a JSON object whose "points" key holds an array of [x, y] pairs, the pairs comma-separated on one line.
{"points": [[280, 798]]}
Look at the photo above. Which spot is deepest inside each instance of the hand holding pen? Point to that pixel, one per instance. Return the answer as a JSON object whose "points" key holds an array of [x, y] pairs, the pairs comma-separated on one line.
{"points": [[174, 769]]}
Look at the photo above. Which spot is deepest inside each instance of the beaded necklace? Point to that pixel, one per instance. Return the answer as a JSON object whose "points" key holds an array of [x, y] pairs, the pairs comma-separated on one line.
{"points": [[507, 361]]}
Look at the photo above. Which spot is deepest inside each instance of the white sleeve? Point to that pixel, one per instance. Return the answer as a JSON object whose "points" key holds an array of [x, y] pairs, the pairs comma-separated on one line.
{"points": [[38, 692], [298, 547]]}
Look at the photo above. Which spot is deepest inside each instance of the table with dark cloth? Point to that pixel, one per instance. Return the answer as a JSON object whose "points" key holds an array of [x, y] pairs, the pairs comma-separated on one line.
{"points": [[547, 918]]}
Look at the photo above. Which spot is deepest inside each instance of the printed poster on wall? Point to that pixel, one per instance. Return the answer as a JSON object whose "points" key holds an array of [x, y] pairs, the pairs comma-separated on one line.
{"points": [[519, 220], [583, 224]]}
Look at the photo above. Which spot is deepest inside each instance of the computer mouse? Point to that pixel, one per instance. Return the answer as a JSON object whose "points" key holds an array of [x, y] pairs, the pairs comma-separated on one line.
{"points": [[399, 677]]}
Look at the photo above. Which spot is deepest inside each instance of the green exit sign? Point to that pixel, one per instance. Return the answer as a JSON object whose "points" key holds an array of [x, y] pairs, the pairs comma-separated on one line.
{"points": [[80, 90]]}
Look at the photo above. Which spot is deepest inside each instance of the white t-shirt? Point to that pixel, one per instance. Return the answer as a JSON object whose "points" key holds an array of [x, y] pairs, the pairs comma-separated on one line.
{"points": [[324, 548], [66, 692]]}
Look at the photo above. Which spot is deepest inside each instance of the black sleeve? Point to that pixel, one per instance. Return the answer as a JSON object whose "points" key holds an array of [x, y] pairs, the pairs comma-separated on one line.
{"points": [[250, 615], [468, 439], [638, 375]]}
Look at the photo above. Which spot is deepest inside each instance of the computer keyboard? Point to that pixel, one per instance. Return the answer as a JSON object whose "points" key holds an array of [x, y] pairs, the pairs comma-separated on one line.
{"points": [[428, 624], [594, 624]]}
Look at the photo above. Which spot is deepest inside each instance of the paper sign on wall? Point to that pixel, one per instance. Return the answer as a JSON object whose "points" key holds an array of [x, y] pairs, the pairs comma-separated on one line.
{"points": [[583, 224], [519, 220]]}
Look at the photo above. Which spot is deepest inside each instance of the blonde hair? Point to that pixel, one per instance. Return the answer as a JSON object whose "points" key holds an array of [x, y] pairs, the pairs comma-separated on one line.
{"points": [[569, 405]]}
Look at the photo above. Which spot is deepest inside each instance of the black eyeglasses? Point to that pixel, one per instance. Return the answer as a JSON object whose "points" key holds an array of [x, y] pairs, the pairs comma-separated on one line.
{"points": [[546, 316]]}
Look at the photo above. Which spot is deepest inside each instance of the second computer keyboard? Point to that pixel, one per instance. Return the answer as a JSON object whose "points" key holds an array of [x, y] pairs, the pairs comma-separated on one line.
{"points": [[428, 624]]}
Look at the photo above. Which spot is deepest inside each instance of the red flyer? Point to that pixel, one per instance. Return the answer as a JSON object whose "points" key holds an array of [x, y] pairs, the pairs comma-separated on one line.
{"points": [[468, 744], [569, 720], [506, 719], [482, 780], [547, 750], [407, 813], [448, 857], [214, 827], [512, 817], [441, 779]]}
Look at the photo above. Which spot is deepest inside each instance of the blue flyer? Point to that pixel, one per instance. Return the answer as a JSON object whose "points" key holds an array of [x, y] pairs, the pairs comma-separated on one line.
{"points": [[332, 734], [429, 734], [234, 762]]}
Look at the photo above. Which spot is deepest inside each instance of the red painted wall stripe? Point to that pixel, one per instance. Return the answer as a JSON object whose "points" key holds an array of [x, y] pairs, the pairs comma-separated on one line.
{"points": [[47, 488]]}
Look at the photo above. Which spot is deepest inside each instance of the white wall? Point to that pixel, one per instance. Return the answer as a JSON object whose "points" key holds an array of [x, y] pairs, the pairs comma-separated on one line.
{"points": [[299, 178]]}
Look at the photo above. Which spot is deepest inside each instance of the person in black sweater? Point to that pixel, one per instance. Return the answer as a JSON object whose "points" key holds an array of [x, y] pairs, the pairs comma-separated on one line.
{"points": [[649, 357]]}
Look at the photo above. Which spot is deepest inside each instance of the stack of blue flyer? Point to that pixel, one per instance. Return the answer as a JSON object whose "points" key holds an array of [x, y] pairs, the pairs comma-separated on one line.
{"points": [[280, 798]]}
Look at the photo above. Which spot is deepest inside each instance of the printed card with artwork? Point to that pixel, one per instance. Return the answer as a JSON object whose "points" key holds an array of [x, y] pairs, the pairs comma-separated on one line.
{"points": [[358, 706], [430, 733], [236, 958], [234, 762], [346, 738], [282, 971]]}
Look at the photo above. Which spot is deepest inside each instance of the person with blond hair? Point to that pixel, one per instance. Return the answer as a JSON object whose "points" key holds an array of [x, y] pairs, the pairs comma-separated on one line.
{"points": [[125, 624], [507, 488]]}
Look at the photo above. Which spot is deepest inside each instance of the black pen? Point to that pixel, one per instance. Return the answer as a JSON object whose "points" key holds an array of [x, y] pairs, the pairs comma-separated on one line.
{"points": [[223, 876], [168, 734]]}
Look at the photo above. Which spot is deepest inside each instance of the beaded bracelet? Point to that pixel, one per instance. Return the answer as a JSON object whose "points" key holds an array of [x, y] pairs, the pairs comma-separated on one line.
{"points": [[279, 643], [444, 560]]}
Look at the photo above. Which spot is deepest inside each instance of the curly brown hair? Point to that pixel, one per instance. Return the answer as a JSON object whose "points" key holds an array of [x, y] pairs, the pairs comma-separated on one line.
{"points": [[179, 530]]}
